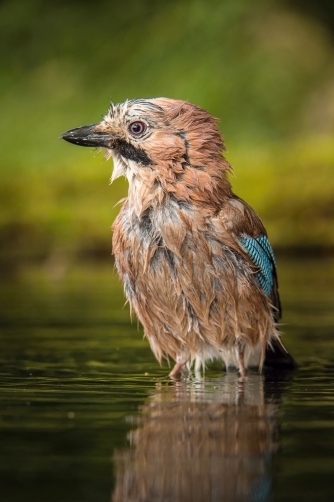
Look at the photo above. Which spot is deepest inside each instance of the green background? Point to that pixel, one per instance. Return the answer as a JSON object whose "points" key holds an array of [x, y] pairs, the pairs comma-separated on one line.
{"points": [[265, 68]]}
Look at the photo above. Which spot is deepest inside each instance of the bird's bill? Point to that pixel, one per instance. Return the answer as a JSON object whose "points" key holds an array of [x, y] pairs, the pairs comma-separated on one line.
{"points": [[89, 136]]}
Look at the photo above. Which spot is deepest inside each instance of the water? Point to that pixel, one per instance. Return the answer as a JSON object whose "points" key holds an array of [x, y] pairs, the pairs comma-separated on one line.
{"points": [[87, 414]]}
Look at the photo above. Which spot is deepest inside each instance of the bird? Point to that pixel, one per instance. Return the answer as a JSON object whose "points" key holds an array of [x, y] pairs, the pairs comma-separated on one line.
{"points": [[195, 260]]}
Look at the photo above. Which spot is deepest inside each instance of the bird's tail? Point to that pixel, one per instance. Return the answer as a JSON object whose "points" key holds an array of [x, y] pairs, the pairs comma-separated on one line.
{"points": [[277, 356]]}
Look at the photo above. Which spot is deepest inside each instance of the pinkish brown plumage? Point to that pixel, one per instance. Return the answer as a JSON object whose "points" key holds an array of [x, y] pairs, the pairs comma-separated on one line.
{"points": [[195, 261]]}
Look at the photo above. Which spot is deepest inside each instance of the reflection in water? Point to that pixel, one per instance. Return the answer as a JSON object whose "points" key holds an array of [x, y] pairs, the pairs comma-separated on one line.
{"points": [[202, 441], [64, 352]]}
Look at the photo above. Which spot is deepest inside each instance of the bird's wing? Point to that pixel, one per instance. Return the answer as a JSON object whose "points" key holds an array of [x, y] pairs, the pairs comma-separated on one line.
{"points": [[260, 252], [247, 229], [242, 222]]}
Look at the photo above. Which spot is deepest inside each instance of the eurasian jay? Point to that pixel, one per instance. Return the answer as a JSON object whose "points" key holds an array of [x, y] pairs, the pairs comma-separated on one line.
{"points": [[195, 259]]}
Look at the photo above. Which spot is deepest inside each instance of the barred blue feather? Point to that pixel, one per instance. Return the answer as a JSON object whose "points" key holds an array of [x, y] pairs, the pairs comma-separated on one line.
{"points": [[262, 255]]}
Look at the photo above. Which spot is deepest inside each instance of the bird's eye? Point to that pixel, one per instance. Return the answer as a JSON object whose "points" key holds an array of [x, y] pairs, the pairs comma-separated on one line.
{"points": [[137, 128]]}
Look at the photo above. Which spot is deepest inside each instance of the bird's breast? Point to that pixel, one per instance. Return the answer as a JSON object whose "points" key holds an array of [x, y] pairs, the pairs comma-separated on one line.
{"points": [[169, 243]]}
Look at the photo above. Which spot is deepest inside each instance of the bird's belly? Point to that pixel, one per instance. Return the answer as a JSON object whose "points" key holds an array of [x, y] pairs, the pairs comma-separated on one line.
{"points": [[252, 356]]}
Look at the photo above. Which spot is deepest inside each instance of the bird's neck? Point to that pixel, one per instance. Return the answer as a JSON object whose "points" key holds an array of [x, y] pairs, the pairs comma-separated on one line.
{"points": [[151, 187]]}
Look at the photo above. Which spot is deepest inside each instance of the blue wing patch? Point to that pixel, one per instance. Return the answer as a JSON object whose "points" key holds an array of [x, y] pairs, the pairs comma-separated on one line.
{"points": [[262, 255]]}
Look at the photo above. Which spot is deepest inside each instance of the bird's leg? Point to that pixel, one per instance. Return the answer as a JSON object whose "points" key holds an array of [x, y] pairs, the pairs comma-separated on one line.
{"points": [[177, 369], [199, 364], [241, 360]]}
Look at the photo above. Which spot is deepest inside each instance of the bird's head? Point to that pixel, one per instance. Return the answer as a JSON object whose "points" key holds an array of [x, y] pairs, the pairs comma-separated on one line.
{"points": [[161, 139]]}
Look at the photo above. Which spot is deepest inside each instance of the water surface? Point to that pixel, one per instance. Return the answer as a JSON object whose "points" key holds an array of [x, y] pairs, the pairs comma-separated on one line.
{"points": [[87, 414]]}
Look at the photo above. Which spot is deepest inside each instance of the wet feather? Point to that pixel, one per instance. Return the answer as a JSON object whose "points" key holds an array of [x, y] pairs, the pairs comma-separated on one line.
{"points": [[176, 240]]}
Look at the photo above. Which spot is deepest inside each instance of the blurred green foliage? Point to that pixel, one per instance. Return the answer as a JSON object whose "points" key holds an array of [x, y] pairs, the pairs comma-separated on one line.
{"points": [[266, 68]]}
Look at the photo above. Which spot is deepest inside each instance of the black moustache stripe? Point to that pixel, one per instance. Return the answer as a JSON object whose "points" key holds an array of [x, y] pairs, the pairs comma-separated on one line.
{"points": [[128, 151]]}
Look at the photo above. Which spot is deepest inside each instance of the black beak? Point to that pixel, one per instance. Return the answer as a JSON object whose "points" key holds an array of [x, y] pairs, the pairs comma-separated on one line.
{"points": [[89, 136]]}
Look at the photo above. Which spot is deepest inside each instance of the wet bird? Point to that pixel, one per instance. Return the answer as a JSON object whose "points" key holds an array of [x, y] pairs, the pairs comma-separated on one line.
{"points": [[195, 260]]}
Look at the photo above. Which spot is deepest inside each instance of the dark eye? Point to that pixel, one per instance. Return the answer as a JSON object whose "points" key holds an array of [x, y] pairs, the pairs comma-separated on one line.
{"points": [[137, 128]]}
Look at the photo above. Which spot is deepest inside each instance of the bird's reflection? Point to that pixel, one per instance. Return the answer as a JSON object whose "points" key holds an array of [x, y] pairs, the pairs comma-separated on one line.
{"points": [[209, 441]]}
